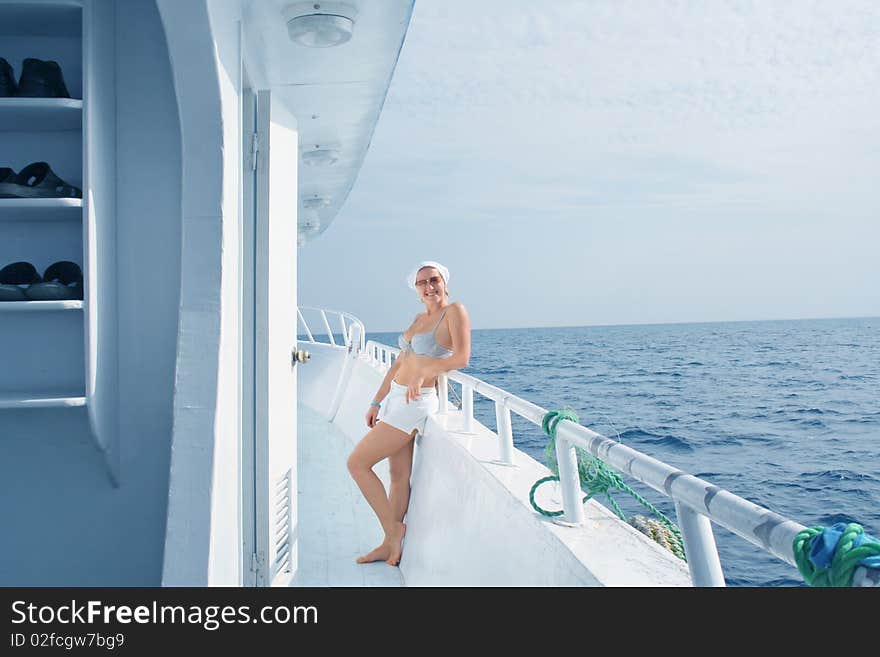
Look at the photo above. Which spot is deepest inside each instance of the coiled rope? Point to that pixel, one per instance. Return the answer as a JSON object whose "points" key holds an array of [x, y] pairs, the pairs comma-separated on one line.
{"points": [[597, 477], [829, 556]]}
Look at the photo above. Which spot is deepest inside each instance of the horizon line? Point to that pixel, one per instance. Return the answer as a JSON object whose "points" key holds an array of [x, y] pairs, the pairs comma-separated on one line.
{"points": [[675, 323]]}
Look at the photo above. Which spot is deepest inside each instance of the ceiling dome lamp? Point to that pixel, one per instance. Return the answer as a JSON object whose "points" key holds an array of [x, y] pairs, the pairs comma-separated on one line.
{"points": [[320, 24], [307, 230], [316, 155], [315, 202], [310, 227]]}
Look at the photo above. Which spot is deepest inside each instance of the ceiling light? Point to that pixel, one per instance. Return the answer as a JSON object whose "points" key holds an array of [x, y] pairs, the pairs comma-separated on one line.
{"points": [[307, 230], [315, 202], [315, 156], [319, 24]]}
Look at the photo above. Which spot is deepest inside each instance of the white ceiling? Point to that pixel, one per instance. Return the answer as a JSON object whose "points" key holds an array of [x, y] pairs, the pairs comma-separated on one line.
{"points": [[335, 93]]}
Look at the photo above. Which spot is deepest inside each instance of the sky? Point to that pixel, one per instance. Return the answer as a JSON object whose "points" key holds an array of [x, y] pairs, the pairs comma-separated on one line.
{"points": [[585, 162]]}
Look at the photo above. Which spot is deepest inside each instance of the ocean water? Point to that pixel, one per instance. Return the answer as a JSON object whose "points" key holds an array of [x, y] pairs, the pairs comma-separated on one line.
{"points": [[783, 413]]}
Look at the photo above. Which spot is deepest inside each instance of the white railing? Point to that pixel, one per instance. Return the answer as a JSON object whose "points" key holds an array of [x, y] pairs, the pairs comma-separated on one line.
{"points": [[352, 332], [697, 502]]}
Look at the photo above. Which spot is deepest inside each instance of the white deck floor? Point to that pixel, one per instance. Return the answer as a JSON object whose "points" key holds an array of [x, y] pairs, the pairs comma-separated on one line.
{"points": [[335, 523]]}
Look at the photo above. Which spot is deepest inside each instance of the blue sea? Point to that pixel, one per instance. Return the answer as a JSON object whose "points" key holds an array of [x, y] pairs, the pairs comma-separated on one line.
{"points": [[783, 413]]}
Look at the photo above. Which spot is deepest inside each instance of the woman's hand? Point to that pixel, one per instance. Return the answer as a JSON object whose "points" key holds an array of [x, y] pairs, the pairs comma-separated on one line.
{"points": [[414, 389], [371, 416]]}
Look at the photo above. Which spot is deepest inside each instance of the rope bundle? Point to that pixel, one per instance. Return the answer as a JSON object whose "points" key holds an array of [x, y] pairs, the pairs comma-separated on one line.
{"points": [[829, 556], [659, 532]]}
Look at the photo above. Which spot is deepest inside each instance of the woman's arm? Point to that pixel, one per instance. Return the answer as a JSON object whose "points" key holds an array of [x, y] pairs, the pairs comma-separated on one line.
{"points": [[384, 389], [460, 330]]}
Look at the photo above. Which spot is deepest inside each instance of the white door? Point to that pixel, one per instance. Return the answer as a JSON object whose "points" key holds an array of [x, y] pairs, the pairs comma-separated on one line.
{"points": [[274, 343]]}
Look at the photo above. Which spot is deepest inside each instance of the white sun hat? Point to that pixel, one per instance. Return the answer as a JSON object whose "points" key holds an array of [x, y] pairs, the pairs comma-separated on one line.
{"points": [[444, 272]]}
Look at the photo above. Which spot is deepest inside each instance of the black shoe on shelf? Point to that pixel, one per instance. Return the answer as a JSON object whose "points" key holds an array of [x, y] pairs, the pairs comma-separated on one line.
{"points": [[41, 79], [63, 280], [7, 174], [13, 277], [7, 79], [37, 180]]}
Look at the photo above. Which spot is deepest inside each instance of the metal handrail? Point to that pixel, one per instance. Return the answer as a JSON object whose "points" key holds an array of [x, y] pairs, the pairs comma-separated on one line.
{"points": [[352, 334], [697, 502]]}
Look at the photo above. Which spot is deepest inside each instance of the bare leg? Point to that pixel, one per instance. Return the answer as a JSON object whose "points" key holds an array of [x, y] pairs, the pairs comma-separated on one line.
{"points": [[400, 469], [381, 442]]}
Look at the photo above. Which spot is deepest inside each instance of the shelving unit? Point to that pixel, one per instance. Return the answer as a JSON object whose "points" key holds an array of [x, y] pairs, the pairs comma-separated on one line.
{"points": [[41, 399], [46, 361], [39, 306], [41, 209], [45, 114]]}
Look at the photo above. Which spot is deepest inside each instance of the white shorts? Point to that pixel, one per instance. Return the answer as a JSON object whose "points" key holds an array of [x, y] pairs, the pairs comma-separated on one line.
{"points": [[397, 413]]}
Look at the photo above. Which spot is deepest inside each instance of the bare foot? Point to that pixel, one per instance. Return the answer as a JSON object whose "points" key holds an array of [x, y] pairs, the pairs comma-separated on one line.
{"points": [[395, 542], [380, 553]]}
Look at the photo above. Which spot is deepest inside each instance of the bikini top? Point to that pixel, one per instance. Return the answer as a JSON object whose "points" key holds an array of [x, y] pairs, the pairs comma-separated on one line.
{"points": [[424, 344]]}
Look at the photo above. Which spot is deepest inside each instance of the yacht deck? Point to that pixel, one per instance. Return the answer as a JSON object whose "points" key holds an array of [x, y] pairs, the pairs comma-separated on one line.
{"points": [[335, 523]]}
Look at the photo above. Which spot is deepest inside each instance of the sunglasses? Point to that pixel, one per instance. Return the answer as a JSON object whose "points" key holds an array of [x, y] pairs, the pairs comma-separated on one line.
{"points": [[434, 281]]}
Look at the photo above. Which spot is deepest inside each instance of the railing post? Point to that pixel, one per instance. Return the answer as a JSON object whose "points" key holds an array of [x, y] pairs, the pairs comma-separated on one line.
{"points": [[467, 407], [443, 392], [352, 328], [327, 328], [569, 481], [344, 331], [305, 325], [699, 547], [505, 432]]}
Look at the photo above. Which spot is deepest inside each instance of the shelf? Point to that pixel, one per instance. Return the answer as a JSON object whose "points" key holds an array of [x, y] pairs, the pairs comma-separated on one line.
{"points": [[54, 18], [40, 114], [40, 209], [39, 306], [41, 400], [43, 366]]}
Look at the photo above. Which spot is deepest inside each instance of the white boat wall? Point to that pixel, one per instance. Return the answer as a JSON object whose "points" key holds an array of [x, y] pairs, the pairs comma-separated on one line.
{"points": [[148, 432]]}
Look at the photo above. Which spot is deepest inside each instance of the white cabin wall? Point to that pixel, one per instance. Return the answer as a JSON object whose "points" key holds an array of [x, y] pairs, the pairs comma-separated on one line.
{"points": [[204, 537], [203, 543], [188, 537], [226, 539], [99, 232], [148, 280]]}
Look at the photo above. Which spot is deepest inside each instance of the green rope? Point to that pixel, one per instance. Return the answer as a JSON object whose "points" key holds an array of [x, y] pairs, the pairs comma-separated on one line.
{"points": [[845, 561], [595, 475]]}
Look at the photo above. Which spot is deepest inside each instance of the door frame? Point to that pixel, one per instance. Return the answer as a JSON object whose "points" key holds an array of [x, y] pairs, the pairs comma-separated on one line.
{"points": [[248, 343]]}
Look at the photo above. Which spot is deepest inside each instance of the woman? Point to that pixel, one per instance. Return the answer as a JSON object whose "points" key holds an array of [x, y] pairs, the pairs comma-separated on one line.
{"points": [[438, 340]]}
